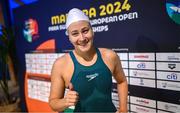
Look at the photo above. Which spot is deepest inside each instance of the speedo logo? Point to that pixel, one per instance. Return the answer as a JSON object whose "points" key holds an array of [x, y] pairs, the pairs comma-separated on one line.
{"points": [[92, 76]]}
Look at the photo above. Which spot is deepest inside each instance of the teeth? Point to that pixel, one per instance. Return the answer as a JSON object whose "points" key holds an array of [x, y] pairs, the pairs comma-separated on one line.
{"points": [[82, 44]]}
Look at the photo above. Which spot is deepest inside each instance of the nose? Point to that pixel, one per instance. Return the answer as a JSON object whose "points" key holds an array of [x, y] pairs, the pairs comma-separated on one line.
{"points": [[82, 37]]}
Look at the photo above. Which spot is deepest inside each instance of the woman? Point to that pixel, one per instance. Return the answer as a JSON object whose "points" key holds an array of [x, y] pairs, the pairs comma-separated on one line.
{"points": [[87, 72]]}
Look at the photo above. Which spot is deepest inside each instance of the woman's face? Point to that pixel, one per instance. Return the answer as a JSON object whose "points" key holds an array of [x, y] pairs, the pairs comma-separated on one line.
{"points": [[81, 35]]}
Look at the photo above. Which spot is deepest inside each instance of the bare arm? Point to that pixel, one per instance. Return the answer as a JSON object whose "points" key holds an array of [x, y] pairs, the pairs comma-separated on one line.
{"points": [[57, 100], [122, 85]]}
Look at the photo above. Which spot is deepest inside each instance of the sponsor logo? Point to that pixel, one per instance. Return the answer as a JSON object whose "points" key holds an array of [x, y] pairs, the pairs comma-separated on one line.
{"points": [[30, 30], [141, 66], [135, 73], [171, 66], [170, 107], [173, 10], [172, 76], [173, 58], [165, 85], [141, 81], [142, 109], [142, 101], [141, 56], [92, 76]]}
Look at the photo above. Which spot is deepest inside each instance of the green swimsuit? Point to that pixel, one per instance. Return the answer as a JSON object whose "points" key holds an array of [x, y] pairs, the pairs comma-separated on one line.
{"points": [[94, 85]]}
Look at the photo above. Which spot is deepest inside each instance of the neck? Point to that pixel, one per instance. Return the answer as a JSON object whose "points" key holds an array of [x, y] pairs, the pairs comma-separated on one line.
{"points": [[88, 56]]}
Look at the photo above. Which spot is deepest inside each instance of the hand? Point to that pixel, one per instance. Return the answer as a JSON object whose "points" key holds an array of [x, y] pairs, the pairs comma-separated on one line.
{"points": [[71, 96]]}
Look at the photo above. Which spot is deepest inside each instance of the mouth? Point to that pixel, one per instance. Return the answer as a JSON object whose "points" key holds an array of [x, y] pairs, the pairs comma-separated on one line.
{"points": [[83, 44]]}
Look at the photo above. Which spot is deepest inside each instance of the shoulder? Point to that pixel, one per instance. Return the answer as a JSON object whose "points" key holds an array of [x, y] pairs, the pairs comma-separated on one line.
{"points": [[62, 69], [110, 58], [62, 60], [61, 63], [108, 53]]}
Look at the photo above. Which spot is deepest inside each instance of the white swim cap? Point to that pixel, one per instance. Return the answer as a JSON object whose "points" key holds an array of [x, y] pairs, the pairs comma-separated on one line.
{"points": [[75, 15]]}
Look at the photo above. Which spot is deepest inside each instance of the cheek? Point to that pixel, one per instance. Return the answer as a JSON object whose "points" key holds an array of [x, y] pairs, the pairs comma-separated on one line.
{"points": [[91, 36], [73, 40]]}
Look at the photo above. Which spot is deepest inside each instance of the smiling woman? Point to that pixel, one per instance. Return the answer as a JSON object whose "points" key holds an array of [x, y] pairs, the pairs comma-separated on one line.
{"points": [[87, 72]]}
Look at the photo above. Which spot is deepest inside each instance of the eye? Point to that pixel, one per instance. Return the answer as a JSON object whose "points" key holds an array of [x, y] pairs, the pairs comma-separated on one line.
{"points": [[84, 31], [74, 34]]}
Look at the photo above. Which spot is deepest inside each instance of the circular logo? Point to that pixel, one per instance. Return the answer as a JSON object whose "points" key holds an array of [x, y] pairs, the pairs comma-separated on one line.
{"points": [[173, 10]]}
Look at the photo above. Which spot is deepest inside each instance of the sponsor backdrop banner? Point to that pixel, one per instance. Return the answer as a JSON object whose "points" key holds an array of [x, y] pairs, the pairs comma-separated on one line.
{"points": [[145, 35]]}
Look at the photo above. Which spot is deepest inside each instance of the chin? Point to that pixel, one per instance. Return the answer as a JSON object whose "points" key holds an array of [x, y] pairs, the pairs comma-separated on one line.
{"points": [[84, 48]]}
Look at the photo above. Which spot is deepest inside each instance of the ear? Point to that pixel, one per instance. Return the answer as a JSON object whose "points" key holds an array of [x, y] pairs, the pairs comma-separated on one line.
{"points": [[66, 33], [92, 31]]}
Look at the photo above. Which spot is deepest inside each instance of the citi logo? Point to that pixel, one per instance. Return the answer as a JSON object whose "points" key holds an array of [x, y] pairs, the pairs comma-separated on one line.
{"points": [[141, 66], [172, 76]]}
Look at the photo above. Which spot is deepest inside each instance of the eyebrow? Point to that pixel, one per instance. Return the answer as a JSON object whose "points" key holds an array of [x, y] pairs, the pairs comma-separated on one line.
{"points": [[85, 27], [74, 31]]}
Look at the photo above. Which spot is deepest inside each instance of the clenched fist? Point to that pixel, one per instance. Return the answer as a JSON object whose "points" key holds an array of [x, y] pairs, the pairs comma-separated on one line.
{"points": [[71, 97]]}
